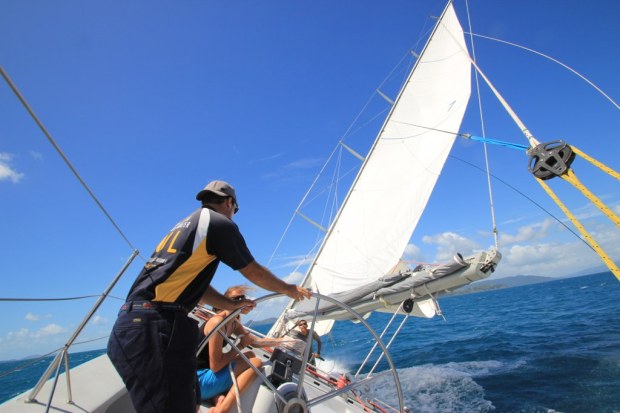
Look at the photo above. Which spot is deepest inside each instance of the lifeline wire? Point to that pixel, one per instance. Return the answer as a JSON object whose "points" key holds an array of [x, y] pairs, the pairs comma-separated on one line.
{"points": [[58, 299]]}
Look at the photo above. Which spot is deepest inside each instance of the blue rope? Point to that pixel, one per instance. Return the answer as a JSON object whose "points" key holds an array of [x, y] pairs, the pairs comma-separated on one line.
{"points": [[496, 142]]}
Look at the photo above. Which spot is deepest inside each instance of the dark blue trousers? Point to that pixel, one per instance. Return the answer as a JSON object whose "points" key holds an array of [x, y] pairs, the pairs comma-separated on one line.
{"points": [[154, 351]]}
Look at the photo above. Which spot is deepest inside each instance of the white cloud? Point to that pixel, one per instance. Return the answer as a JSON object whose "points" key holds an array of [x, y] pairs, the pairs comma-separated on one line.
{"points": [[7, 172], [294, 278], [24, 341], [269, 158], [307, 163], [530, 232], [32, 317], [99, 321], [49, 330], [542, 248], [26, 334], [536, 249], [36, 317], [293, 171], [547, 259], [295, 261], [413, 254], [449, 243], [17, 335]]}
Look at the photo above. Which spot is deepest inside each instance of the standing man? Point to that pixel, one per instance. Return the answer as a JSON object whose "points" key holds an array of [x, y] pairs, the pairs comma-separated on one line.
{"points": [[153, 342]]}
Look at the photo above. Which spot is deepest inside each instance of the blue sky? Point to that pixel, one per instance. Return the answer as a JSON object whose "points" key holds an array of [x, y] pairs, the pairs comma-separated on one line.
{"points": [[151, 100]]}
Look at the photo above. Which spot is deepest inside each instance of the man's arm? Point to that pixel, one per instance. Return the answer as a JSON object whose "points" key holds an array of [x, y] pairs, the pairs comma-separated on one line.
{"points": [[264, 278], [317, 338], [214, 298]]}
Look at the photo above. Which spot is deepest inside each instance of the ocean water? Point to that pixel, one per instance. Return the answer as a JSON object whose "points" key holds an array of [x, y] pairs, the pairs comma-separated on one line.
{"points": [[552, 347]]}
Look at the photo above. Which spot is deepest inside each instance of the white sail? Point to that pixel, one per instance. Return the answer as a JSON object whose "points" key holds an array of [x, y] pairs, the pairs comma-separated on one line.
{"points": [[396, 181], [383, 207]]}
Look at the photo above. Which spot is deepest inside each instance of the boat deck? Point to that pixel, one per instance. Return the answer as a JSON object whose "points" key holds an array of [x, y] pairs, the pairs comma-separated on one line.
{"points": [[106, 393]]}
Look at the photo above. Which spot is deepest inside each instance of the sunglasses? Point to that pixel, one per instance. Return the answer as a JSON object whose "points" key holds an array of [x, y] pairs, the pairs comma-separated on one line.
{"points": [[235, 205], [303, 324]]}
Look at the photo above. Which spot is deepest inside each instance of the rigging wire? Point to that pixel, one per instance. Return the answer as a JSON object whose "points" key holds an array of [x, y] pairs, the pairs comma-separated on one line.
{"points": [[348, 132], [303, 199], [135, 252], [513, 115], [598, 89], [482, 126], [63, 156], [487, 172], [336, 153], [568, 175], [528, 135], [526, 197]]}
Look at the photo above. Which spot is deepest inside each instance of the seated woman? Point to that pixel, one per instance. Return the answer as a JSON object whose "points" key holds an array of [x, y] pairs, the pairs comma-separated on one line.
{"points": [[213, 374]]}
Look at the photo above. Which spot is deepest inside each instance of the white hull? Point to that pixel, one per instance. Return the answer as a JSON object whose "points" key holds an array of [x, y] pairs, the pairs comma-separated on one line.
{"points": [[97, 388]]}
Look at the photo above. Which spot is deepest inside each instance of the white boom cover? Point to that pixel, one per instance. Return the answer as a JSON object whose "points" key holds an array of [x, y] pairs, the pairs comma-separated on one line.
{"points": [[376, 221]]}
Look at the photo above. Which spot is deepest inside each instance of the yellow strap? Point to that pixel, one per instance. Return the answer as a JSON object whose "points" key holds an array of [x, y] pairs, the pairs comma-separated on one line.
{"points": [[596, 163], [570, 177], [610, 264]]}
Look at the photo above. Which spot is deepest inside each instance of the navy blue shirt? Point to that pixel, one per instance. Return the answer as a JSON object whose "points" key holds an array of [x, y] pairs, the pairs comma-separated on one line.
{"points": [[184, 262]]}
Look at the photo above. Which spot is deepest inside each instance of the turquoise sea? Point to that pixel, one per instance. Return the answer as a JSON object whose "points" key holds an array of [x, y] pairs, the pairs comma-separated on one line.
{"points": [[552, 347]]}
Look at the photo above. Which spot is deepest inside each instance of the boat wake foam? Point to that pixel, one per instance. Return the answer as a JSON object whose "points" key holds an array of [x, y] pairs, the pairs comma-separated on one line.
{"points": [[439, 388]]}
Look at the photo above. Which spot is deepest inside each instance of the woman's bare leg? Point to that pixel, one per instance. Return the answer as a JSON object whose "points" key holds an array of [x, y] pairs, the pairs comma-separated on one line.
{"points": [[245, 376]]}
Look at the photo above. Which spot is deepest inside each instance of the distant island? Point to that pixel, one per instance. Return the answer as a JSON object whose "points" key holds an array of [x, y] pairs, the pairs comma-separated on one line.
{"points": [[520, 280]]}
